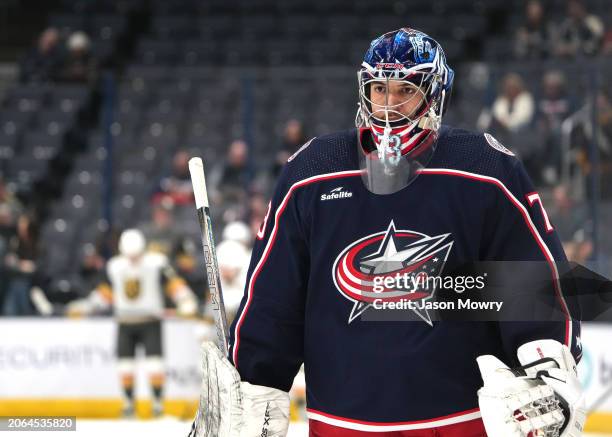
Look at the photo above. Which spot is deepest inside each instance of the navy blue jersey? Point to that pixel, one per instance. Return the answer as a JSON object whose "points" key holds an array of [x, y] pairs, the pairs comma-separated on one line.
{"points": [[474, 201]]}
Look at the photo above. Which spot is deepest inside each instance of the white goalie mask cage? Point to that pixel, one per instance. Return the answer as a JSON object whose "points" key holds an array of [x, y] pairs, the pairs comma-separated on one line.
{"points": [[401, 110]]}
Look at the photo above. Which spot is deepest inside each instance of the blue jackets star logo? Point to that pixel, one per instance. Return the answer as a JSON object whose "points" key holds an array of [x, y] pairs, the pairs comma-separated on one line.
{"points": [[390, 266]]}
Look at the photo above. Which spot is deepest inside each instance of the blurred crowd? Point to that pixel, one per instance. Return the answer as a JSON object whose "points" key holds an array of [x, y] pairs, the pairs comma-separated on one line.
{"points": [[530, 121], [542, 125], [240, 196], [579, 33], [57, 58]]}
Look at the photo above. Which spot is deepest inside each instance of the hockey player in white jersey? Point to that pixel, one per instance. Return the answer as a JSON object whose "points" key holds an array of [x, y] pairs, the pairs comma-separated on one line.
{"points": [[134, 287]]}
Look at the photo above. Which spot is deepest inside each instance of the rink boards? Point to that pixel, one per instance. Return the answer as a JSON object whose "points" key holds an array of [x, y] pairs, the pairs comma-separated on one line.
{"points": [[68, 367]]}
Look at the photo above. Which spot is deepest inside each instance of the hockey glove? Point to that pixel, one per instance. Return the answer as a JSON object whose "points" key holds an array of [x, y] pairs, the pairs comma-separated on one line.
{"points": [[232, 408], [542, 398]]}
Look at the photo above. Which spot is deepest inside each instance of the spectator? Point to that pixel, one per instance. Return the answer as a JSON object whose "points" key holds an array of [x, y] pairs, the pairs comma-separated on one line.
{"points": [[80, 64], [21, 267], [553, 107], [230, 180], [566, 213], [579, 248], [42, 63], [7, 227], [178, 185], [258, 208], [161, 233], [534, 38], [10, 209], [92, 269], [189, 267], [604, 119], [293, 138], [584, 134], [7, 198], [580, 33], [7, 230], [606, 49], [510, 117], [49, 295], [512, 110]]}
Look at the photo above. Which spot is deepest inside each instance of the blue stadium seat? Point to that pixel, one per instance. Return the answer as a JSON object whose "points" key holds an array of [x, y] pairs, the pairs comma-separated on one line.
{"points": [[260, 27], [77, 208], [40, 145], [198, 52], [69, 98], [174, 27], [85, 180], [8, 144], [498, 49], [211, 26], [343, 27], [298, 27], [467, 26], [327, 53], [243, 53], [58, 260], [151, 52], [379, 24], [293, 7], [125, 210], [13, 122], [67, 23], [93, 231], [59, 235], [25, 171], [102, 50], [176, 7], [218, 7], [146, 73], [55, 121], [283, 53], [107, 27]]}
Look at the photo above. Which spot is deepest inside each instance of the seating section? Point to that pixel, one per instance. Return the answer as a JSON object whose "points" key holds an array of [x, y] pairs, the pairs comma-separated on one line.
{"points": [[198, 74]]}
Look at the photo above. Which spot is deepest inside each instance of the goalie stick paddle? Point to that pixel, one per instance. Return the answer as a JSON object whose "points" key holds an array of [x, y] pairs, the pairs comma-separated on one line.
{"points": [[196, 168]]}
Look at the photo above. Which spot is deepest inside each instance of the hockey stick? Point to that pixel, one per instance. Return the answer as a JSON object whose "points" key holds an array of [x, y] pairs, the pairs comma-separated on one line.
{"points": [[196, 168]]}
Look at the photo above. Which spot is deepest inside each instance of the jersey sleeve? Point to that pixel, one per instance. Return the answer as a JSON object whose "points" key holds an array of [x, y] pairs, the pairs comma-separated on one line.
{"points": [[519, 230], [266, 337]]}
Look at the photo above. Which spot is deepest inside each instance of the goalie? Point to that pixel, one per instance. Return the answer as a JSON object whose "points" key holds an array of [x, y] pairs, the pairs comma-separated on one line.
{"points": [[355, 208], [134, 289]]}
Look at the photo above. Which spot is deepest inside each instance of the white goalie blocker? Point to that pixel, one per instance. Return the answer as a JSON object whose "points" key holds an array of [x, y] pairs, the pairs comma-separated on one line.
{"points": [[541, 398], [230, 407]]}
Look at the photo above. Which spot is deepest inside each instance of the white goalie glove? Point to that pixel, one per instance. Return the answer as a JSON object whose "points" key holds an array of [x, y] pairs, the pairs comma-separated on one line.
{"points": [[233, 408], [542, 398]]}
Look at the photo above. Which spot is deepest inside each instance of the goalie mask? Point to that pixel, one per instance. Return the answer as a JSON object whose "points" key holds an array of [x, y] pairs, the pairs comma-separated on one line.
{"points": [[404, 86]]}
